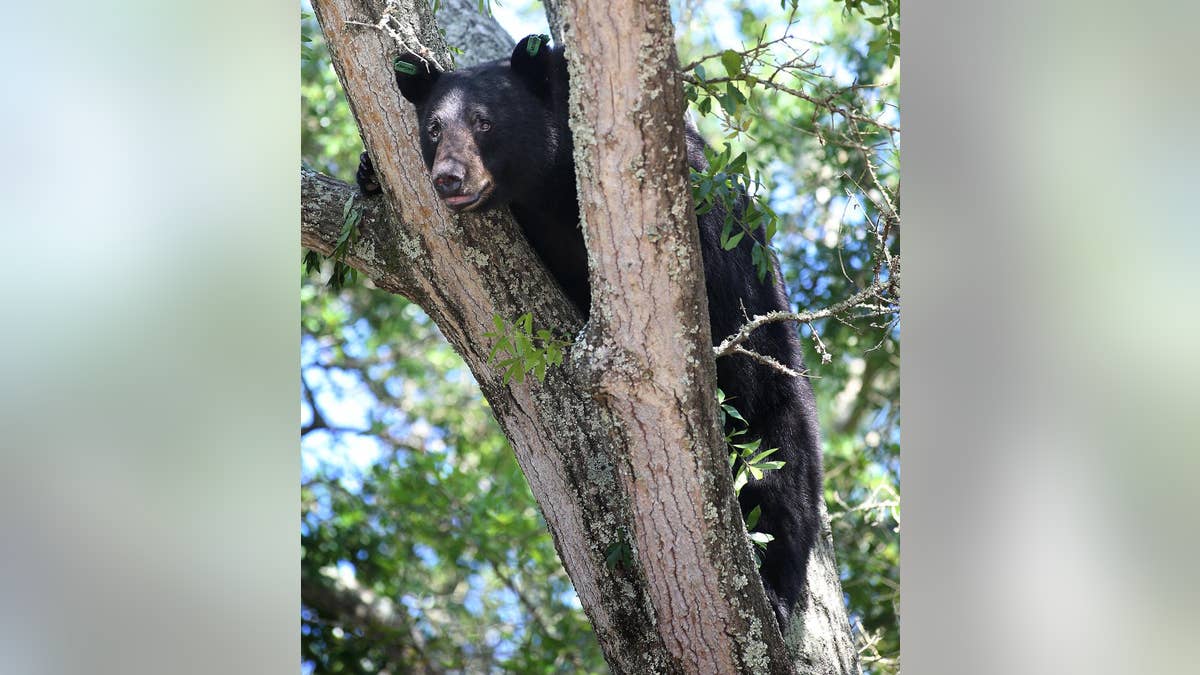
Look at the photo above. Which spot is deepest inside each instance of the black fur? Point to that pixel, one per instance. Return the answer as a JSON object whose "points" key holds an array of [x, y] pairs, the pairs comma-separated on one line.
{"points": [[527, 154]]}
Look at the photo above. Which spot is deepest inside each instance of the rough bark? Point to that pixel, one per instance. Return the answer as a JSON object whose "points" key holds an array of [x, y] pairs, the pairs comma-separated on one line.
{"points": [[820, 639], [478, 36], [620, 445], [652, 349], [554, 17], [374, 253]]}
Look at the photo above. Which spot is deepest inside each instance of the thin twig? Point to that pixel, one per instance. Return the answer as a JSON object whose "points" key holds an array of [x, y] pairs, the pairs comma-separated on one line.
{"points": [[768, 361], [874, 291]]}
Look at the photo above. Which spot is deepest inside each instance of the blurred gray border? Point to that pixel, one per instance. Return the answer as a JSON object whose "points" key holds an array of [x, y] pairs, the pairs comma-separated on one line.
{"points": [[1049, 359], [149, 369]]}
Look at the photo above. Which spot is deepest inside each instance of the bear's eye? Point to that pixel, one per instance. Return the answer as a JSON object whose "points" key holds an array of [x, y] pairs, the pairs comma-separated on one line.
{"points": [[435, 130], [484, 125]]}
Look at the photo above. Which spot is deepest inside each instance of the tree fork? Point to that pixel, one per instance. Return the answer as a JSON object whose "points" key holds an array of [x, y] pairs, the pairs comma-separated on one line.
{"points": [[616, 456]]}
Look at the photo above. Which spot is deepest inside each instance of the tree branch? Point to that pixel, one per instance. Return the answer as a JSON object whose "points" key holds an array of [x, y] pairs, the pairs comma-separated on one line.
{"points": [[767, 361], [826, 103], [874, 291], [322, 204], [621, 444], [318, 420], [466, 270], [554, 17], [650, 349], [386, 626], [477, 34]]}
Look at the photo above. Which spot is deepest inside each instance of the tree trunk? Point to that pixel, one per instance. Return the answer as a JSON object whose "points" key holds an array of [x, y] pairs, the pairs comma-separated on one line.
{"points": [[621, 444]]}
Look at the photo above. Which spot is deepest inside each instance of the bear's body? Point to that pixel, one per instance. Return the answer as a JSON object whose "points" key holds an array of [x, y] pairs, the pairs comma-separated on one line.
{"points": [[497, 135]]}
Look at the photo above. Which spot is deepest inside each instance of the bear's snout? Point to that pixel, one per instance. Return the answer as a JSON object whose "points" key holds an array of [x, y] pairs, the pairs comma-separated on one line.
{"points": [[448, 183]]}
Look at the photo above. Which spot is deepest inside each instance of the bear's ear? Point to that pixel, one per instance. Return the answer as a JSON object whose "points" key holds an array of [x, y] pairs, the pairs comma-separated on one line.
{"points": [[531, 63], [416, 76]]}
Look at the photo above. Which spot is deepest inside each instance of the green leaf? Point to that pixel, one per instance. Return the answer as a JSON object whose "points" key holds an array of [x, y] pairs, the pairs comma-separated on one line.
{"points": [[732, 62], [523, 351], [739, 482], [764, 267], [762, 455], [619, 553], [501, 345], [733, 241], [347, 228], [749, 447], [312, 262], [735, 95], [732, 412], [752, 517], [761, 538], [515, 371]]}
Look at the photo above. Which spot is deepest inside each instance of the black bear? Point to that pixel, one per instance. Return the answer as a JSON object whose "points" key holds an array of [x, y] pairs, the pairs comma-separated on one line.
{"points": [[496, 135]]}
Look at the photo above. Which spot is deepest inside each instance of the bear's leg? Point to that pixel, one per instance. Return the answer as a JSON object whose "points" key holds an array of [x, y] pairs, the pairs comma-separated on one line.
{"points": [[784, 564], [789, 512], [366, 175]]}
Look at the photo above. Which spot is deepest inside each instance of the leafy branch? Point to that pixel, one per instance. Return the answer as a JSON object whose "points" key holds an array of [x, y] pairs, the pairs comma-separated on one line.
{"points": [[520, 351], [864, 299], [748, 463], [342, 273], [728, 183], [777, 66]]}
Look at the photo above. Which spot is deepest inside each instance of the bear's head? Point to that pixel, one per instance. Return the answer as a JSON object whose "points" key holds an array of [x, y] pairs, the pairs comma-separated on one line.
{"points": [[489, 133]]}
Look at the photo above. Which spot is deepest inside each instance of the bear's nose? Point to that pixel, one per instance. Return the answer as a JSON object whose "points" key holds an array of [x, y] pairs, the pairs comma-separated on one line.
{"points": [[447, 184]]}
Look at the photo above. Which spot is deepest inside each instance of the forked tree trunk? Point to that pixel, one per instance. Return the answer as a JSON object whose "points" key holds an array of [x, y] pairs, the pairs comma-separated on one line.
{"points": [[621, 444]]}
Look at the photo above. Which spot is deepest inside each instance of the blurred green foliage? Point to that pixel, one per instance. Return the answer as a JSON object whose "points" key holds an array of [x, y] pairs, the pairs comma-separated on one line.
{"points": [[423, 549], [329, 139], [438, 519]]}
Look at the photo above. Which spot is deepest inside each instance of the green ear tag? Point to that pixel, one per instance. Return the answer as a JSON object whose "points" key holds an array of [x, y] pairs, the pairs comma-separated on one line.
{"points": [[403, 66], [535, 44]]}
